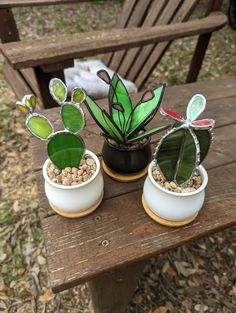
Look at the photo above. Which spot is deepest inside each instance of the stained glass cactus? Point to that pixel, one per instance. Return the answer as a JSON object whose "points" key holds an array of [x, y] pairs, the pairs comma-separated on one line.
{"points": [[186, 145], [65, 148], [125, 124]]}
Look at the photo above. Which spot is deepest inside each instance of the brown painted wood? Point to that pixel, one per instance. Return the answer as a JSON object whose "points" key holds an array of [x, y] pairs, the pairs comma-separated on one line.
{"points": [[75, 248], [30, 53], [8, 28], [112, 291], [25, 3], [219, 93], [201, 47]]}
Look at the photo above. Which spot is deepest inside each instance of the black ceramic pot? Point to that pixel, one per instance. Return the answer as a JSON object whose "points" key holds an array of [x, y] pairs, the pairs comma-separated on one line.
{"points": [[126, 161]]}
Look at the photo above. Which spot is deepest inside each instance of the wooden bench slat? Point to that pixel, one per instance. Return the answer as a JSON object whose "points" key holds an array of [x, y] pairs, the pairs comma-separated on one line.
{"points": [[30, 53], [147, 55], [130, 61], [75, 251], [135, 20]]}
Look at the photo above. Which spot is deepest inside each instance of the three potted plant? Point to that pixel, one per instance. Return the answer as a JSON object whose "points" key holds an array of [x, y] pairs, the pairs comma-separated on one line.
{"points": [[126, 150], [174, 190], [73, 180]]}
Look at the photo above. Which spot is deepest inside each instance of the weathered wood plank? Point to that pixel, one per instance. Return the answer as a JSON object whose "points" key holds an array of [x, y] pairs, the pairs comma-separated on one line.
{"points": [[31, 53], [82, 240], [220, 94]]}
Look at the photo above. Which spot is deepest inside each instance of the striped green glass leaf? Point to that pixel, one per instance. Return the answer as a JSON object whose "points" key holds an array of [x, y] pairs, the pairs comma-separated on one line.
{"points": [[145, 111], [119, 94], [148, 133], [103, 119], [204, 139], [65, 150], [72, 117], [58, 90], [176, 155], [39, 126]]}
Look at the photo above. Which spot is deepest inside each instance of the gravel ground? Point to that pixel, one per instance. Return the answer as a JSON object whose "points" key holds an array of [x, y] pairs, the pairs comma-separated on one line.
{"points": [[198, 277]]}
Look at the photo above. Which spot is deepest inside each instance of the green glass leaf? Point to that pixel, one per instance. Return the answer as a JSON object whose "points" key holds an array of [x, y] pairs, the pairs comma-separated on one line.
{"points": [[103, 120], [176, 155], [195, 107], [39, 126], [72, 117], [65, 150], [187, 159], [145, 111], [119, 94], [58, 90], [78, 95], [112, 127], [148, 133], [204, 139]]}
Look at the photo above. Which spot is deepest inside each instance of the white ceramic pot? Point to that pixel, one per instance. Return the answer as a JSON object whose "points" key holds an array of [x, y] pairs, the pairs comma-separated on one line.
{"points": [[171, 206], [78, 200]]}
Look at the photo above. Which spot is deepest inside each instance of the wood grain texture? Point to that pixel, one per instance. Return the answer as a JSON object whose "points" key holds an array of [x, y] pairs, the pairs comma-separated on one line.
{"points": [[26, 3], [76, 251], [31, 53]]}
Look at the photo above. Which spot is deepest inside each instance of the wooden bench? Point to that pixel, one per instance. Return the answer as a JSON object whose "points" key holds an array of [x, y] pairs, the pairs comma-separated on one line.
{"points": [[144, 32], [109, 248]]}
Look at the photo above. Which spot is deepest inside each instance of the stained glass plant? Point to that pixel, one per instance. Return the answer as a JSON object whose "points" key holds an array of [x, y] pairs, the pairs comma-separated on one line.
{"points": [[65, 148], [186, 145], [124, 123]]}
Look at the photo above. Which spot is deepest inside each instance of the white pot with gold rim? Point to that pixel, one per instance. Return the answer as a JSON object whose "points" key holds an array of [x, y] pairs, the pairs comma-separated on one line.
{"points": [[172, 208], [77, 200]]}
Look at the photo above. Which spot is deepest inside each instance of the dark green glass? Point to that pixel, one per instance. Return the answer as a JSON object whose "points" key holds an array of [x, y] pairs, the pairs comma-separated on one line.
{"points": [[187, 159], [176, 156], [119, 94], [66, 150], [103, 119], [72, 117], [204, 139]]}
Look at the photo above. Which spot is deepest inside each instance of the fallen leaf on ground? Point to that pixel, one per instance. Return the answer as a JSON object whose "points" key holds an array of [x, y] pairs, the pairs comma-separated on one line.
{"points": [[47, 296]]}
